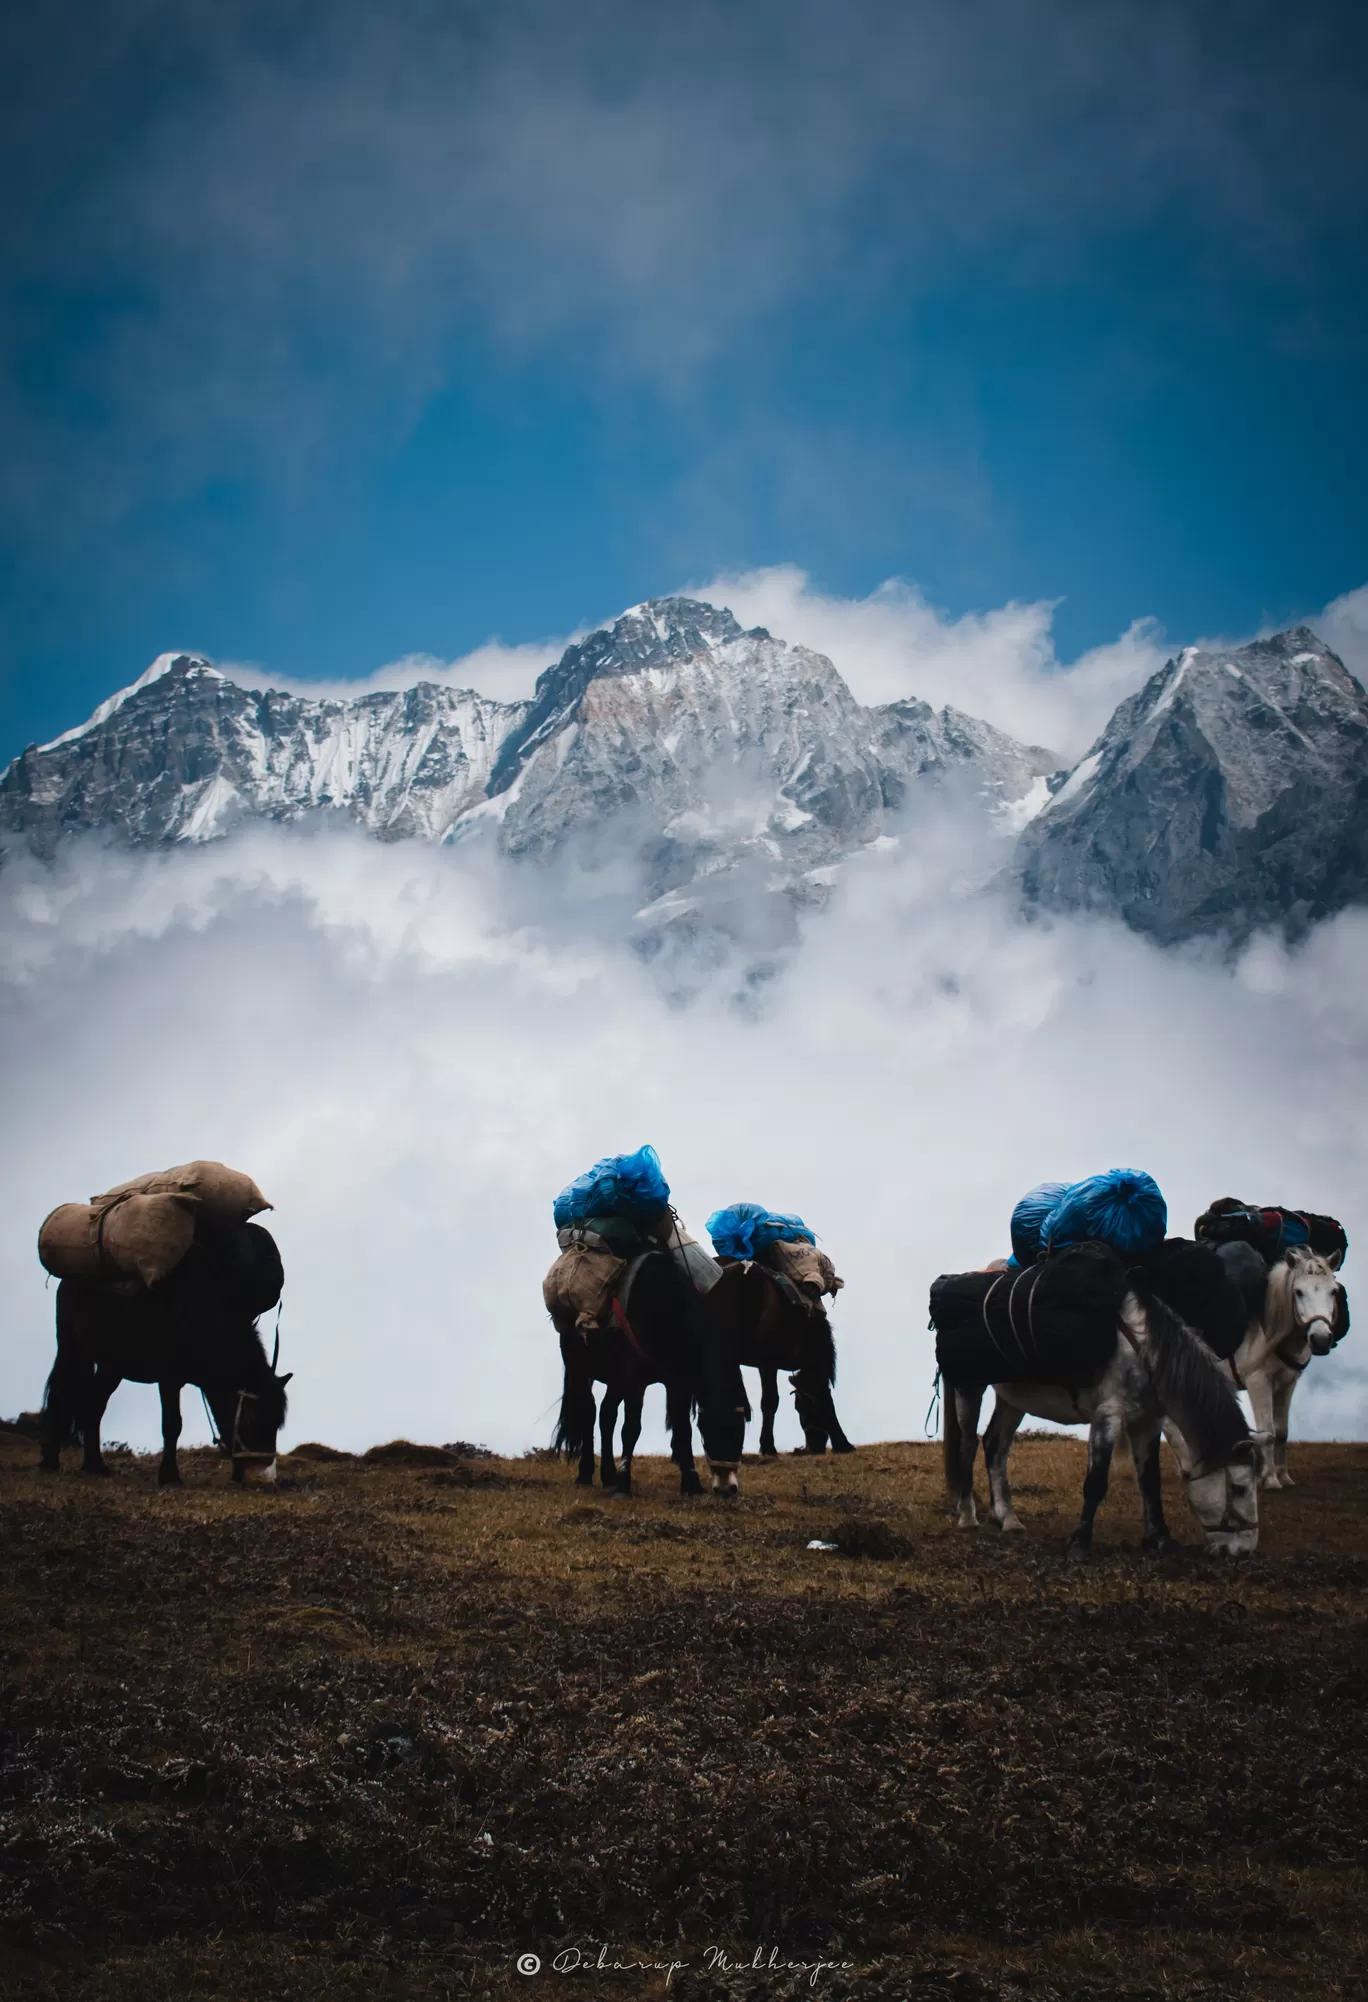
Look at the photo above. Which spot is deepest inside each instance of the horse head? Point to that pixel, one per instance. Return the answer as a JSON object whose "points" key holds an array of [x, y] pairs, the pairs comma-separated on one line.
{"points": [[1225, 1499], [249, 1414], [1312, 1299]]}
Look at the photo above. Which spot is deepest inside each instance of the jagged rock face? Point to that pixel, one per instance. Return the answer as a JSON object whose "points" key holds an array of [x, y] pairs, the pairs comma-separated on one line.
{"points": [[704, 746], [1230, 793], [185, 754]]}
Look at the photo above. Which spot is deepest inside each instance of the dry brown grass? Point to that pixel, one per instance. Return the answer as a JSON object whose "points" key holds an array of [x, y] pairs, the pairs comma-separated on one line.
{"points": [[384, 1729]]}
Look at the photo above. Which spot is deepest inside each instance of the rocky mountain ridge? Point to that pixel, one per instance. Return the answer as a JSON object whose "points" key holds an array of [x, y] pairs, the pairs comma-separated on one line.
{"points": [[706, 746], [1229, 793]]}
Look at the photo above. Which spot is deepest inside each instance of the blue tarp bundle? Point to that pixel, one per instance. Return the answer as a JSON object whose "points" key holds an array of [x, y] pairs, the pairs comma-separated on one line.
{"points": [[1123, 1208], [743, 1229], [627, 1185], [1028, 1220]]}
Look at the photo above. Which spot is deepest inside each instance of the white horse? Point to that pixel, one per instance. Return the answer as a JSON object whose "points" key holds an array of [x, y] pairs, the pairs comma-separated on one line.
{"points": [[1298, 1308], [1160, 1375]]}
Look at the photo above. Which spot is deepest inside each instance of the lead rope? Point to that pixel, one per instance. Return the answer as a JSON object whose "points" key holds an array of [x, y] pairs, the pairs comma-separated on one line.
{"points": [[931, 1424]]}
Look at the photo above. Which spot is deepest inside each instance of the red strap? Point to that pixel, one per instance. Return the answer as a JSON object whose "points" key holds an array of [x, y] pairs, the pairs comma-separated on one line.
{"points": [[625, 1327]]}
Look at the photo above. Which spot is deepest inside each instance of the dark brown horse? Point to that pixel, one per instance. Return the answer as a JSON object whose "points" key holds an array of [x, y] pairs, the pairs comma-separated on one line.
{"points": [[664, 1327], [198, 1326], [775, 1324]]}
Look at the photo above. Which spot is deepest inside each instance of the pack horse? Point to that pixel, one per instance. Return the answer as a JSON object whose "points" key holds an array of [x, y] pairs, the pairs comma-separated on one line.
{"points": [[1082, 1337]]}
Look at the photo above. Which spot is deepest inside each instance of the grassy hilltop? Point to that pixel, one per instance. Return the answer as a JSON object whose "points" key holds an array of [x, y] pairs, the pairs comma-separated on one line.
{"points": [[380, 1732]]}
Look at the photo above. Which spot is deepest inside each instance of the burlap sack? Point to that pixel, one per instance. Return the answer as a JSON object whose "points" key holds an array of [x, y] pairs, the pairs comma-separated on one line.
{"points": [[806, 1266], [226, 1196], [580, 1285], [141, 1237]]}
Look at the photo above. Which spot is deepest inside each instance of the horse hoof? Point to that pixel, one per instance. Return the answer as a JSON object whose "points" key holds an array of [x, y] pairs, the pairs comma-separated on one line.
{"points": [[170, 1481], [49, 1467], [769, 1452], [844, 1447], [1160, 1546], [693, 1487], [101, 1472], [584, 1480], [1077, 1553], [621, 1491], [1011, 1526]]}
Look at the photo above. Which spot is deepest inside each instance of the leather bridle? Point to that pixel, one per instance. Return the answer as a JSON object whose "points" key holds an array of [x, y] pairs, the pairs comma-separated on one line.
{"points": [[232, 1448]]}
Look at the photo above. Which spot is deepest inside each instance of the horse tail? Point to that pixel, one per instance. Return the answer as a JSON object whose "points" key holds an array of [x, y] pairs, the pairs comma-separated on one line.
{"points": [[575, 1425], [822, 1353], [952, 1447], [58, 1415], [682, 1403]]}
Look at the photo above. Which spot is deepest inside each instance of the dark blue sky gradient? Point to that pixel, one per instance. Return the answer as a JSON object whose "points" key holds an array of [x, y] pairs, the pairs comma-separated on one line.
{"points": [[333, 342]]}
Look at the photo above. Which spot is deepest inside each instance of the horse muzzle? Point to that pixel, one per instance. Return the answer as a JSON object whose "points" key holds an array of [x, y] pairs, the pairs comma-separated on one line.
{"points": [[1321, 1337], [1236, 1539]]}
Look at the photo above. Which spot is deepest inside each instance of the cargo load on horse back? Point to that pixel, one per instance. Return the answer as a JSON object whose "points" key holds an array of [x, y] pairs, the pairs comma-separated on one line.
{"points": [[616, 1212], [1272, 1231], [138, 1232], [779, 1241]]}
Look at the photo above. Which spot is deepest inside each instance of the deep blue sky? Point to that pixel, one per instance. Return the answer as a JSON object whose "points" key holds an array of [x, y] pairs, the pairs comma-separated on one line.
{"points": [[334, 333]]}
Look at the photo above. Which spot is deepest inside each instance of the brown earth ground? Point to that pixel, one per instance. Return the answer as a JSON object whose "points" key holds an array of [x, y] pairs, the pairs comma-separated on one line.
{"points": [[381, 1731]]}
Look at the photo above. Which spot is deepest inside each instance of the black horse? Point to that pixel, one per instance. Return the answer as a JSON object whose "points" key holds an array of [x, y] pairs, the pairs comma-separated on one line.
{"points": [[198, 1326], [774, 1326], [665, 1329]]}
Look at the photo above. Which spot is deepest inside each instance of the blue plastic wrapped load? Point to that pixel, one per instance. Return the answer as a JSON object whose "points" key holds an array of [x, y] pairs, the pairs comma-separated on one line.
{"points": [[743, 1229], [1123, 1208], [1028, 1220], [626, 1185]]}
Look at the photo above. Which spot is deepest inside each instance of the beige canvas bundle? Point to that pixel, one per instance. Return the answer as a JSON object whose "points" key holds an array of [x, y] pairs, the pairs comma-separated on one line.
{"points": [[226, 1195], [806, 1266], [133, 1236], [580, 1285]]}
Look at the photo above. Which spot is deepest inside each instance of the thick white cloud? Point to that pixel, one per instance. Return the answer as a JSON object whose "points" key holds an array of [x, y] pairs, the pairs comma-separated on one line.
{"points": [[412, 1064], [1000, 665], [1343, 625]]}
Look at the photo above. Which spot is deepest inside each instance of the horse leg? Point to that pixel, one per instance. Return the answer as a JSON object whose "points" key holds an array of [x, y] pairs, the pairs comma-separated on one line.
{"points": [[1283, 1388], [961, 1450], [102, 1386], [1144, 1445], [631, 1432], [1102, 1438], [725, 1409], [678, 1416], [168, 1474], [810, 1404], [769, 1405], [997, 1444], [1261, 1403], [839, 1442], [61, 1398], [608, 1418], [574, 1435]]}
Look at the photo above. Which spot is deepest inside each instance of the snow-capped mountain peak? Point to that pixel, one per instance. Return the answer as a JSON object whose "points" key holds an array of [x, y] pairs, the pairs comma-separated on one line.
{"points": [[164, 664], [673, 731]]}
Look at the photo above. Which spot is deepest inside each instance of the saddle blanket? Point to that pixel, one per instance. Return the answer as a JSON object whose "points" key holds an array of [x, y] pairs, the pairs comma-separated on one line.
{"points": [[1055, 1323]]}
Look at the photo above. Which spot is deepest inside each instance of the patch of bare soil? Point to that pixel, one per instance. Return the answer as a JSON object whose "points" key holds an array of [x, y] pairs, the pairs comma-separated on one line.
{"points": [[390, 1727]]}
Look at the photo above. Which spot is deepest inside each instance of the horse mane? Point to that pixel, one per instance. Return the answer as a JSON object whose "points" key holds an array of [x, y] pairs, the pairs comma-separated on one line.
{"points": [[1189, 1384]]}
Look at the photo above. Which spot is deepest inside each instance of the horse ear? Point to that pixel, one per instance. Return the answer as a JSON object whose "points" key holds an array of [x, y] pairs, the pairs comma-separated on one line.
{"points": [[283, 1380]]}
